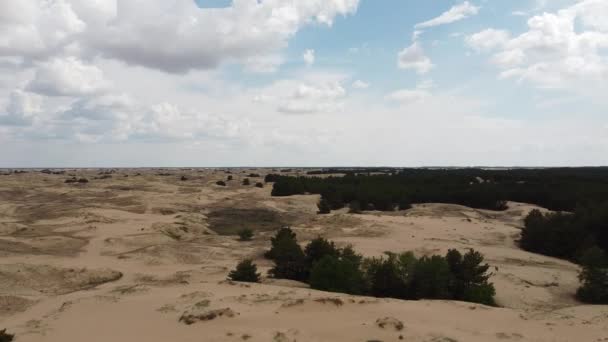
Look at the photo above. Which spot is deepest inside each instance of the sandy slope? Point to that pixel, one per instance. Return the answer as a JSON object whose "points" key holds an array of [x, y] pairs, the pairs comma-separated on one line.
{"points": [[123, 258]]}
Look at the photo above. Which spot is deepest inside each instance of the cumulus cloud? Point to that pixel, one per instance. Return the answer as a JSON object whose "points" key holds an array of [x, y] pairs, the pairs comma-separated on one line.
{"points": [[456, 13], [553, 52], [309, 57], [413, 57], [170, 35], [68, 77]]}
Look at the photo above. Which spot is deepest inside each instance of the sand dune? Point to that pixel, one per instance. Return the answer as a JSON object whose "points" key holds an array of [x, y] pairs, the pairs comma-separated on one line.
{"points": [[145, 258]]}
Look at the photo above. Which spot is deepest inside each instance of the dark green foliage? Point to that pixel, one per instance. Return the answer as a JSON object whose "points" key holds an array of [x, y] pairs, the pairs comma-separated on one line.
{"points": [[567, 235], [246, 182], [253, 175], [288, 256], [319, 248], [555, 189], [469, 281], [259, 185], [245, 234], [220, 183], [229, 178], [323, 206], [354, 207], [329, 268], [6, 337], [337, 274], [594, 277], [384, 277], [245, 271], [431, 278]]}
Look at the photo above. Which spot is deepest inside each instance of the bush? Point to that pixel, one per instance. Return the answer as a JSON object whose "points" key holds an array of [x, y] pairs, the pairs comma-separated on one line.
{"points": [[403, 276], [83, 180], [469, 281], [259, 185], [384, 279], [319, 248], [6, 337], [324, 207], [337, 274], [288, 256], [245, 234], [220, 183], [594, 277], [246, 182], [246, 271], [431, 278], [229, 178]]}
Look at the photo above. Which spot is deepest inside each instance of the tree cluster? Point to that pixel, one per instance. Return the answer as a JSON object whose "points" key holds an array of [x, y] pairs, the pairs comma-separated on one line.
{"points": [[581, 237], [326, 267], [555, 188]]}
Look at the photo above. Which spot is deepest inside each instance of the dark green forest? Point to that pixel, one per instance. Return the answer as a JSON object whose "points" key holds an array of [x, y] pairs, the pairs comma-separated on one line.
{"points": [[559, 189]]}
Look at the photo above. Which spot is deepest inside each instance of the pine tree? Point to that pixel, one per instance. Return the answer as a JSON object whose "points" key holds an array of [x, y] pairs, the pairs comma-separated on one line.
{"points": [[246, 271]]}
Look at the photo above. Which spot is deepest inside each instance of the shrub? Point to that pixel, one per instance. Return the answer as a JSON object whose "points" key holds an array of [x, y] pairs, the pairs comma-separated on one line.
{"points": [[337, 274], [6, 337], [83, 180], [594, 277], [229, 178], [220, 183], [245, 271], [184, 178], [259, 185], [469, 281], [287, 255], [431, 278], [246, 182], [245, 234], [383, 277], [323, 206], [319, 248]]}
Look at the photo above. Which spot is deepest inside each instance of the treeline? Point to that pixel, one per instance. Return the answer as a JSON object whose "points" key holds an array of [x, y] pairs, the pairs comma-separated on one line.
{"points": [[325, 267], [556, 189], [350, 170], [581, 237]]}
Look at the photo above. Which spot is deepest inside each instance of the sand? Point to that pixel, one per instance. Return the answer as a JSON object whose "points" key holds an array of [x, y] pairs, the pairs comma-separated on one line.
{"points": [[145, 258]]}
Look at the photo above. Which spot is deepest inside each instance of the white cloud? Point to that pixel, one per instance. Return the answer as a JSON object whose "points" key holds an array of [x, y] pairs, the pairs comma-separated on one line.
{"points": [[22, 109], [170, 35], [553, 52], [68, 77], [456, 13], [309, 57], [358, 84], [488, 39], [413, 57]]}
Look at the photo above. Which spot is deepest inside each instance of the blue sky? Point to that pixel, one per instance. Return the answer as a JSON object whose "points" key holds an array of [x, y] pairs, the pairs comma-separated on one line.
{"points": [[308, 82]]}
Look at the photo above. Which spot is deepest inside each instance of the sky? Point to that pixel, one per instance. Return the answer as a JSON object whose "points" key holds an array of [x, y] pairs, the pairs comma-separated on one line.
{"points": [[183, 83]]}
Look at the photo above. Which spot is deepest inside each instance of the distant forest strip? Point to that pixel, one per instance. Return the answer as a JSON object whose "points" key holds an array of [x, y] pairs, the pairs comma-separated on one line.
{"points": [[558, 189]]}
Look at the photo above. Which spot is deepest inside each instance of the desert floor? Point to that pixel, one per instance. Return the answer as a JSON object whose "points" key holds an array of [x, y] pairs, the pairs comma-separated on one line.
{"points": [[124, 256]]}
